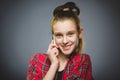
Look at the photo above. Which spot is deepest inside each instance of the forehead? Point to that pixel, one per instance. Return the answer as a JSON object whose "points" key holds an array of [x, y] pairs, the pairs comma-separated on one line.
{"points": [[64, 26]]}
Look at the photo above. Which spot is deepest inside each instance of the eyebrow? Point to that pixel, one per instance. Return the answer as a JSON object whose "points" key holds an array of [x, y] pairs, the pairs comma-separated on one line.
{"points": [[73, 31]]}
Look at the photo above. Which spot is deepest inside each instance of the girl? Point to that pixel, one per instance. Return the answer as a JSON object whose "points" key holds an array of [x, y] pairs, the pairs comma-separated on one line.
{"points": [[63, 59]]}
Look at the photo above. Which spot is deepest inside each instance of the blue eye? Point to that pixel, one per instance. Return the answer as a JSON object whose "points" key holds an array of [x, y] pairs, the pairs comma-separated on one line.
{"points": [[58, 35], [70, 33]]}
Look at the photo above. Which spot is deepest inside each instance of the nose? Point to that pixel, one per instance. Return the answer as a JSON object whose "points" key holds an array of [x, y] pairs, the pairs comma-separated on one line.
{"points": [[65, 40]]}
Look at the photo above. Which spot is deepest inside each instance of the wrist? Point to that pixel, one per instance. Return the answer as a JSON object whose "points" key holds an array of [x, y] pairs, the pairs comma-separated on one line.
{"points": [[54, 65]]}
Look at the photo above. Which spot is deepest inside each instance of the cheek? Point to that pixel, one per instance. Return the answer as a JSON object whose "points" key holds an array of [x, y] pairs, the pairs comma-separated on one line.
{"points": [[70, 39], [73, 39], [58, 41]]}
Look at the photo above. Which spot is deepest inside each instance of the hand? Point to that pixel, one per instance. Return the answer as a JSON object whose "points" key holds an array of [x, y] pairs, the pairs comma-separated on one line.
{"points": [[53, 52]]}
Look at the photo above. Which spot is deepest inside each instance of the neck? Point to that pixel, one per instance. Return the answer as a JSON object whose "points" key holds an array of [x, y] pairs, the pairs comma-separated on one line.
{"points": [[62, 57], [62, 61]]}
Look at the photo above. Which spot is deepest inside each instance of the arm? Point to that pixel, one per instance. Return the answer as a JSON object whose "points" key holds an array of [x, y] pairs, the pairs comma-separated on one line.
{"points": [[89, 69], [52, 54], [35, 71], [50, 75]]}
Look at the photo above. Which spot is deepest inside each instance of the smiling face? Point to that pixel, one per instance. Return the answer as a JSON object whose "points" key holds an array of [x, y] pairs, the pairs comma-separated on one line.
{"points": [[66, 36]]}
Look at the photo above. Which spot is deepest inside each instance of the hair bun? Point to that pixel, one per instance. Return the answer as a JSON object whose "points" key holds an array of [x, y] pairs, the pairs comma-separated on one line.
{"points": [[69, 6]]}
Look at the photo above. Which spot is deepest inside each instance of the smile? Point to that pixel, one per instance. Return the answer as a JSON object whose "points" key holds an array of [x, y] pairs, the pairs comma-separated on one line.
{"points": [[67, 47]]}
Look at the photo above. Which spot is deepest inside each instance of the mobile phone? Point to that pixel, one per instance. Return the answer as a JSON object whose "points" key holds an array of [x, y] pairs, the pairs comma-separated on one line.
{"points": [[53, 38], [54, 42]]}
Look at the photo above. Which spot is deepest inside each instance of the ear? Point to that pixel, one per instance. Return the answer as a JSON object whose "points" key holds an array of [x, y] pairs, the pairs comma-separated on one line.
{"points": [[80, 33]]}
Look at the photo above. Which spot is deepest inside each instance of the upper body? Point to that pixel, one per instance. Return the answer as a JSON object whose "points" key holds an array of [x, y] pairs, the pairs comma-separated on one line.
{"points": [[63, 53], [78, 67]]}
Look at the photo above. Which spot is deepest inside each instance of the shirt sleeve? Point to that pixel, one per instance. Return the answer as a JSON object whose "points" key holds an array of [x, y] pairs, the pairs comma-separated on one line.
{"points": [[34, 71], [89, 68], [84, 67]]}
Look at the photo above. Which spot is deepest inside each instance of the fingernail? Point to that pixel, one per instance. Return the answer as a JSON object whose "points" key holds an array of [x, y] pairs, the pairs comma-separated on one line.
{"points": [[57, 46]]}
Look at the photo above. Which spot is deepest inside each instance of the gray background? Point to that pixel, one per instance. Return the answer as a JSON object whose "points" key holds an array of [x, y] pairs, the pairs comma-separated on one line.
{"points": [[25, 29]]}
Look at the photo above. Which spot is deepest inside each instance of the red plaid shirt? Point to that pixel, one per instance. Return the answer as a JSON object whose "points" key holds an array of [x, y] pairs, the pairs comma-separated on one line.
{"points": [[78, 67]]}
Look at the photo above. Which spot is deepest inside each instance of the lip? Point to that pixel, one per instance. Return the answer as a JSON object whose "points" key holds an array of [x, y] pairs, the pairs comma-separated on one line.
{"points": [[65, 48]]}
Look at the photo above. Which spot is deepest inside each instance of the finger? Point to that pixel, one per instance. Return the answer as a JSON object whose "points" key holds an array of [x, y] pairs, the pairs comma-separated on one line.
{"points": [[54, 42], [55, 50], [50, 43], [52, 46]]}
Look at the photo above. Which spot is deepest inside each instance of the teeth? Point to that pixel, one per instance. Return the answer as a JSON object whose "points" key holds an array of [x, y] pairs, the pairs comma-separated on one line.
{"points": [[66, 47]]}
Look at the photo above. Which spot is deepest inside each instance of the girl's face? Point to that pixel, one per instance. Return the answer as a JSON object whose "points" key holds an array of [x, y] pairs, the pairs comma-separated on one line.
{"points": [[66, 36]]}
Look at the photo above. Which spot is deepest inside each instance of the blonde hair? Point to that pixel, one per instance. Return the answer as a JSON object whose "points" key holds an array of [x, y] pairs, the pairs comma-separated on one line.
{"points": [[69, 11]]}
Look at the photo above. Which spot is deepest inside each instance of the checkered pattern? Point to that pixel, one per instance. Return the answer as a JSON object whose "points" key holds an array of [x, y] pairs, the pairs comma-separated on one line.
{"points": [[78, 67]]}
